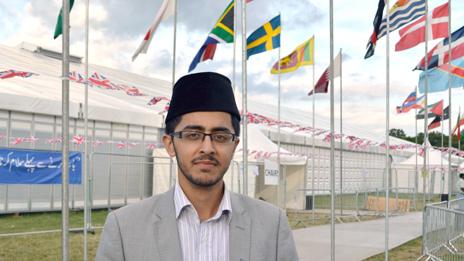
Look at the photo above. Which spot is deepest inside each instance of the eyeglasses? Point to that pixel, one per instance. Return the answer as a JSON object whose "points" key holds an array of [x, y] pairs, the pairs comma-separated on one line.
{"points": [[198, 136]]}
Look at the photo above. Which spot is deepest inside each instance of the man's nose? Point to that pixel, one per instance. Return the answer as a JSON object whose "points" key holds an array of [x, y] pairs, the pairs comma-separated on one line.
{"points": [[207, 145]]}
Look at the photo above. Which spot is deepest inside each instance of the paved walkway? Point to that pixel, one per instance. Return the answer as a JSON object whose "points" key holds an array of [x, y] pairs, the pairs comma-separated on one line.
{"points": [[358, 240]]}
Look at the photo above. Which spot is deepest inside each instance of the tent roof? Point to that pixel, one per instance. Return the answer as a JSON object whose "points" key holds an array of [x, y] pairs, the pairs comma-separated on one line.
{"points": [[435, 158], [42, 93]]}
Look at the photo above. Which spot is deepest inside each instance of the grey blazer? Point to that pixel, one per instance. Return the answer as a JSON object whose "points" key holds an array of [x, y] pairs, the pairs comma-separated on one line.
{"points": [[147, 230]]}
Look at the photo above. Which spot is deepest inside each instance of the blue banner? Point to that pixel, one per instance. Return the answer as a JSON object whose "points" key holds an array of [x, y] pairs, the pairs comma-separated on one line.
{"points": [[19, 166]]}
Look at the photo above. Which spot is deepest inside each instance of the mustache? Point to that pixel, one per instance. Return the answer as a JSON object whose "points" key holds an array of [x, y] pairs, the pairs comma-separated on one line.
{"points": [[206, 157]]}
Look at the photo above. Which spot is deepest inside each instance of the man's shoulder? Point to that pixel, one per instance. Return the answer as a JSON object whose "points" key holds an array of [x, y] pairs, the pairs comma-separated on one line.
{"points": [[141, 208], [257, 206]]}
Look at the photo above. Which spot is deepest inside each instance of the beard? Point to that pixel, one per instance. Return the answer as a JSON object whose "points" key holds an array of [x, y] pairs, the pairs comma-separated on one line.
{"points": [[198, 181]]}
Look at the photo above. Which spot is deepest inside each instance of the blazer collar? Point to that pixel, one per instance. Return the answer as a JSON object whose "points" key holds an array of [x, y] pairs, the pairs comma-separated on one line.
{"points": [[239, 230], [166, 232]]}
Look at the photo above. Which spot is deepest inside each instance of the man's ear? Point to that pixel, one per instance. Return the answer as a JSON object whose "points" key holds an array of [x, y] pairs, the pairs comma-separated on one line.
{"points": [[237, 141], [169, 145]]}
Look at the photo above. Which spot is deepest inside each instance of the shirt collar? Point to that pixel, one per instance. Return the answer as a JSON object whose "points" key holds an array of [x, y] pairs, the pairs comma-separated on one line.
{"points": [[181, 201]]}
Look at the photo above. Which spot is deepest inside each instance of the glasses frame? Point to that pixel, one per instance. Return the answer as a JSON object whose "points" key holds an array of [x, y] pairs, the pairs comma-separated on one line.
{"points": [[178, 134]]}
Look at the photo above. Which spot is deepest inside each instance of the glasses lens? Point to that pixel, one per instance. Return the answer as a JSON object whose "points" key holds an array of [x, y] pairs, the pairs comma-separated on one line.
{"points": [[222, 137], [192, 135]]}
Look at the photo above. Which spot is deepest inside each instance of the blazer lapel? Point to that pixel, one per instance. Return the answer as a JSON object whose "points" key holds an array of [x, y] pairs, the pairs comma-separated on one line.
{"points": [[239, 231], [166, 232]]}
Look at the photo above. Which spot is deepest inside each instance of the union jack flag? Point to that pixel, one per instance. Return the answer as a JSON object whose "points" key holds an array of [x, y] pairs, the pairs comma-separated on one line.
{"points": [[13, 73], [156, 99], [101, 81], [78, 139], [76, 77], [133, 91]]}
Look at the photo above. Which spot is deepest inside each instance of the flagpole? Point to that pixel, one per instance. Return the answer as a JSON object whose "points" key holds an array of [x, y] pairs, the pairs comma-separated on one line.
{"points": [[283, 182], [173, 80], [244, 100], [234, 47], [341, 137], [441, 158], [86, 133], [313, 136], [332, 144], [450, 136], [65, 134], [415, 173], [387, 132], [426, 115]]}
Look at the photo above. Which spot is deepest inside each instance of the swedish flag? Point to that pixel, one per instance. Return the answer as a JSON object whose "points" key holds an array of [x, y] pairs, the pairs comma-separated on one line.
{"points": [[265, 38]]}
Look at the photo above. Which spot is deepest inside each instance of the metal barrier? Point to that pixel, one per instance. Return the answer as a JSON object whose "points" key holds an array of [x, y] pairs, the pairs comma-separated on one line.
{"points": [[443, 231]]}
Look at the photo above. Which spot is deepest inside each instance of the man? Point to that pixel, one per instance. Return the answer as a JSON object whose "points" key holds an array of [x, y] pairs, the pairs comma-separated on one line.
{"points": [[199, 219]]}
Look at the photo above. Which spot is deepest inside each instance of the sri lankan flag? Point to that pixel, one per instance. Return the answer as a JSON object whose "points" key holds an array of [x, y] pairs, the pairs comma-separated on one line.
{"points": [[265, 38], [302, 55], [223, 32]]}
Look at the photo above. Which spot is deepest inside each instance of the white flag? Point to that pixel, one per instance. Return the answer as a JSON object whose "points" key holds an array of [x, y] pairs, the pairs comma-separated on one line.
{"points": [[166, 10], [337, 65]]}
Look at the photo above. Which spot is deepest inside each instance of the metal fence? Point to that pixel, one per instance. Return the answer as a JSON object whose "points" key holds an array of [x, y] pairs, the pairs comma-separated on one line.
{"points": [[443, 231]]}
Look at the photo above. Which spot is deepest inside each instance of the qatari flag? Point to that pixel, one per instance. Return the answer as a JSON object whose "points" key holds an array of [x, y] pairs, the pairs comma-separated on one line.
{"points": [[414, 33], [322, 85]]}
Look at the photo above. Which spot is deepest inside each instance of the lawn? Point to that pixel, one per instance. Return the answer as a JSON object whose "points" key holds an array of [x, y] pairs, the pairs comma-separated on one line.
{"points": [[48, 246]]}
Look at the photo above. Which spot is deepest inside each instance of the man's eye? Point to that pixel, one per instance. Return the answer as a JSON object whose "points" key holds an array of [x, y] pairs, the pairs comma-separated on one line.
{"points": [[220, 137], [192, 135]]}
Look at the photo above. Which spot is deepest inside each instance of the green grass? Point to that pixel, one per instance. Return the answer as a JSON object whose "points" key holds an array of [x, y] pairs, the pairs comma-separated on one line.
{"points": [[14, 223], [410, 250], [46, 246]]}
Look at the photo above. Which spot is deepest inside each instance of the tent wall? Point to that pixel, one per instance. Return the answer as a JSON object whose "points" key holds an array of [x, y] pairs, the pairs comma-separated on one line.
{"points": [[130, 175]]}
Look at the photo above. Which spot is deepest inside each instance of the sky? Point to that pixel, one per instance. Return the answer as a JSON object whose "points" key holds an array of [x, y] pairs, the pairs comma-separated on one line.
{"points": [[118, 26]]}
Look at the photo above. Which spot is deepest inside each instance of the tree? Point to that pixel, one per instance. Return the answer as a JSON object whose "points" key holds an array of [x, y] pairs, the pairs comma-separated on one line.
{"points": [[399, 133]]}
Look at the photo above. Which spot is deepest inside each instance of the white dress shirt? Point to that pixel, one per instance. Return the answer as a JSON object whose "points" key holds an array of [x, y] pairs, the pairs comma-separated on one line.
{"points": [[207, 240]]}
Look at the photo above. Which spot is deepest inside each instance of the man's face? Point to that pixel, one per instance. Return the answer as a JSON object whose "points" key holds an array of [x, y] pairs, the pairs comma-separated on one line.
{"points": [[202, 162]]}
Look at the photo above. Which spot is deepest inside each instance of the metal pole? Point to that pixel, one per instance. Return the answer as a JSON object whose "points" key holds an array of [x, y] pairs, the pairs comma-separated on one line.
{"points": [[313, 154], [244, 100], [234, 47], [86, 132], [450, 177], [282, 178], [416, 169], [65, 133], [332, 144], [426, 116], [341, 133], [387, 133], [174, 45]]}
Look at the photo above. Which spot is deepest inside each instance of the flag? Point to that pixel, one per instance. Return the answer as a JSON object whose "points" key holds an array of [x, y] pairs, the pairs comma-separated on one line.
{"points": [[166, 10], [302, 55], [414, 33], [265, 38], [322, 84], [439, 54], [459, 123], [377, 21], [76, 77], [101, 81], [14, 73], [59, 22], [432, 111], [435, 123], [223, 32], [456, 68], [438, 77], [156, 99], [133, 91], [401, 13], [411, 102]]}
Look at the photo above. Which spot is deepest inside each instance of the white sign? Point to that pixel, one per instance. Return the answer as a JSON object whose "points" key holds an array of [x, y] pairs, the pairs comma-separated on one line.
{"points": [[271, 172]]}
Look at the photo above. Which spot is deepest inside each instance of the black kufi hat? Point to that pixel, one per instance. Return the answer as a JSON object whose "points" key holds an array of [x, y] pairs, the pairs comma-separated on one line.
{"points": [[205, 91]]}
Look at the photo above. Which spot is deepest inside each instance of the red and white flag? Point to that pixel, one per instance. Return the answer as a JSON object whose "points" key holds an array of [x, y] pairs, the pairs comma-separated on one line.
{"points": [[414, 33], [322, 85], [166, 10]]}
